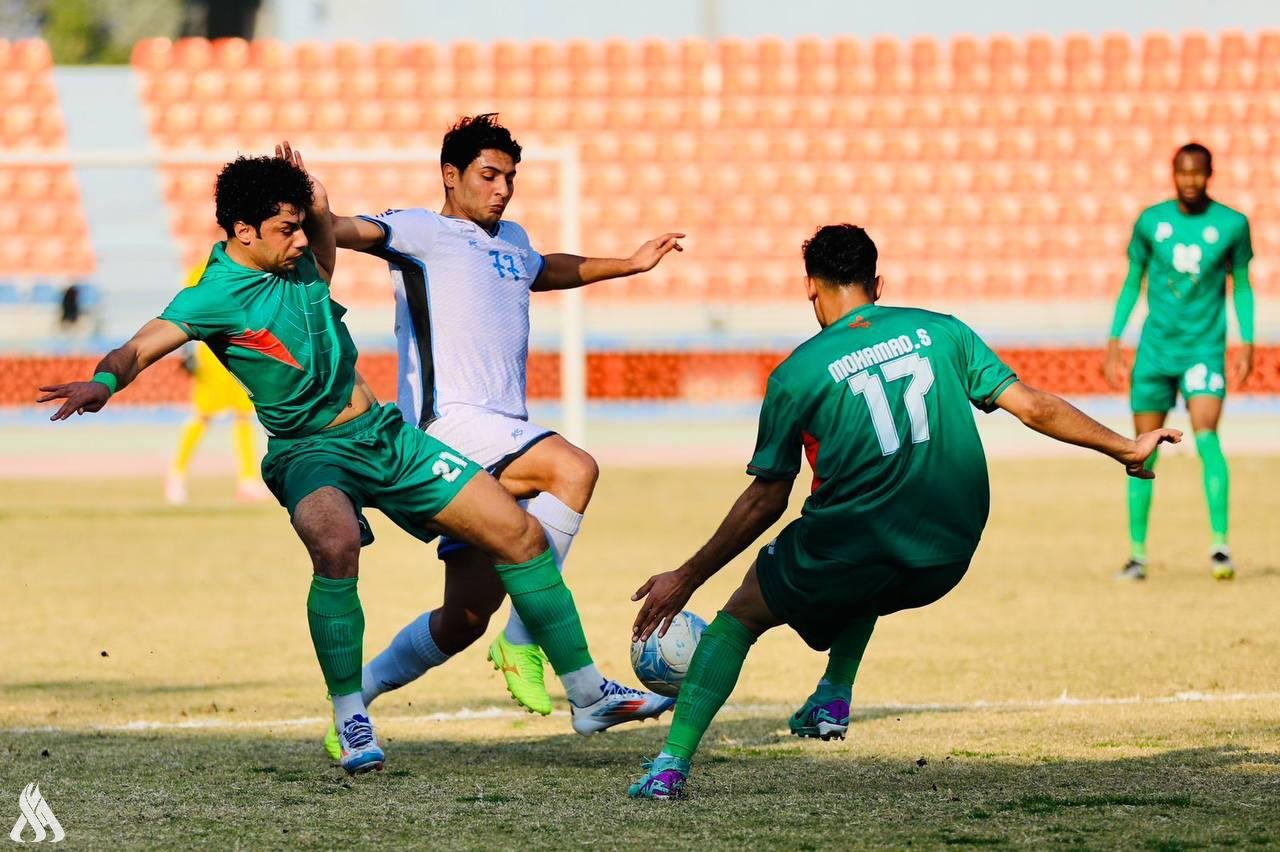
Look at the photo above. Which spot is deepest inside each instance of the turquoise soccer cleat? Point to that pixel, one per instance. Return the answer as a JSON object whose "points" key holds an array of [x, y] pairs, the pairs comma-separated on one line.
{"points": [[664, 779]]}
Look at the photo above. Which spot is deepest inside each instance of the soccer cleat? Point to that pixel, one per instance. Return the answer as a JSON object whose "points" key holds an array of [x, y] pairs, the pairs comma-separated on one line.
{"points": [[822, 719], [664, 778], [175, 489], [1134, 569], [522, 667], [332, 746], [360, 751], [1221, 565], [618, 704]]}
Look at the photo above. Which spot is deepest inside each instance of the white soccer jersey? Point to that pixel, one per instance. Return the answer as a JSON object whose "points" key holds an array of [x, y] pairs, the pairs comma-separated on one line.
{"points": [[462, 312]]}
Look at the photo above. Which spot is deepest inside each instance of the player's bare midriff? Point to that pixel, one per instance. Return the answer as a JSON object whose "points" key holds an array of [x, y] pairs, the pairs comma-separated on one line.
{"points": [[362, 399]]}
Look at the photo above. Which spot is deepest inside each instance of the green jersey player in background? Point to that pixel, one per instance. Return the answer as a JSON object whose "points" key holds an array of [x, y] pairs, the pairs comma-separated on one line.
{"points": [[1185, 247], [879, 402]]}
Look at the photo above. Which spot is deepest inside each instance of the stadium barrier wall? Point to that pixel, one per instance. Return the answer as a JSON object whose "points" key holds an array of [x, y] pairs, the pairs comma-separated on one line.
{"points": [[639, 376]]}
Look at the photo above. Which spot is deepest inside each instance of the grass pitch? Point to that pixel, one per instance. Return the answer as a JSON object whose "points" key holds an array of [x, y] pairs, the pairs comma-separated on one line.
{"points": [[161, 688]]}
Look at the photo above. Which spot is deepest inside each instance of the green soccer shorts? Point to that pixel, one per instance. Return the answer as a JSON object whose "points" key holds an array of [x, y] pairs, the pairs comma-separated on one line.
{"points": [[1157, 381], [818, 597], [378, 461]]}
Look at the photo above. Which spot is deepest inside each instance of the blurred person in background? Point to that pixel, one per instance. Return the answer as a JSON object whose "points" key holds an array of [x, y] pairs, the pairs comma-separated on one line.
{"points": [[214, 391], [1185, 248]]}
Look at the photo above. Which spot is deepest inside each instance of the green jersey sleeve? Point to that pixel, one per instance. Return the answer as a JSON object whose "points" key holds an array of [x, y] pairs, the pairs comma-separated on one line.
{"points": [[1242, 289], [204, 311], [985, 375], [779, 440]]}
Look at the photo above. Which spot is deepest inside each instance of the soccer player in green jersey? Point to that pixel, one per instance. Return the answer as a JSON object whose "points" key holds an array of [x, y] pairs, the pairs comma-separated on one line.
{"points": [[879, 403], [1185, 247], [263, 307]]}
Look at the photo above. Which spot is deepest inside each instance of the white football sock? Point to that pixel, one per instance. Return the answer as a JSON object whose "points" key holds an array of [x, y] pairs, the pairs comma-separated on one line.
{"points": [[346, 706], [406, 659], [560, 524], [583, 687]]}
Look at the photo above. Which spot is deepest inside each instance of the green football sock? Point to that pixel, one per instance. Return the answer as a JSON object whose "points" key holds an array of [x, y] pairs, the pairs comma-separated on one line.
{"points": [[713, 672], [337, 632], [1217, 483], [844, 658], [545, 605], [1140, 511]]}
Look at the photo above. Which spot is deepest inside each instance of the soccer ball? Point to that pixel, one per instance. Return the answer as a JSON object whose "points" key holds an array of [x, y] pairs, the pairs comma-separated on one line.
{"points": [[661, 663]]}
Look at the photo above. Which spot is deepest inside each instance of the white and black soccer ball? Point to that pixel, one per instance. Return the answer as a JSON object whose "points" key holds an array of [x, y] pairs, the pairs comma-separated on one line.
{"points": [[662, 662]]}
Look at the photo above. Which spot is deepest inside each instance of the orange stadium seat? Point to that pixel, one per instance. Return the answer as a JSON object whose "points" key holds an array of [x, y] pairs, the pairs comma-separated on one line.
{"points": [[1005, 131]]}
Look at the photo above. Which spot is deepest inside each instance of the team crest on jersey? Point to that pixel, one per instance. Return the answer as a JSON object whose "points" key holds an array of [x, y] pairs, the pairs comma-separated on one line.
{"points": [[1164, 230], [1210, 235], [859, 322]]}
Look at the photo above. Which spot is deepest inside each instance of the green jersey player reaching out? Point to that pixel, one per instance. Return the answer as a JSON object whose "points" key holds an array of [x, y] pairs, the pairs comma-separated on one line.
{"points": [[879, 402], [1185, 248], [263, 307]]}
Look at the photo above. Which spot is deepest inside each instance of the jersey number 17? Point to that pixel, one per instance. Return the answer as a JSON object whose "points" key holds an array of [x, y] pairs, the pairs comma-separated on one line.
{"points": [[869, 387]]}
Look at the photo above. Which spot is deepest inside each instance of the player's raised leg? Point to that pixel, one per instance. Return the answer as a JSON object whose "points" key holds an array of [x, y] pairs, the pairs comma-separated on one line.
{"points": [[484, 514], [1140, 492], [825, 713], [325, 520], [563, 478], [1205, 411], [713, 673]]}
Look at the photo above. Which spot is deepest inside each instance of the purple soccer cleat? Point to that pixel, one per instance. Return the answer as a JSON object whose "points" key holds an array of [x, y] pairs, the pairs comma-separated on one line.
{"points": [[664, 779], [821, 718]]}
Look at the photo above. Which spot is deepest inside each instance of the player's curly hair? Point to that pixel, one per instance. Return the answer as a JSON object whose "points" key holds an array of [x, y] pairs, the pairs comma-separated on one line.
{"points": [[473, 134], [841, 254], [1195, 148], [252, 190]]}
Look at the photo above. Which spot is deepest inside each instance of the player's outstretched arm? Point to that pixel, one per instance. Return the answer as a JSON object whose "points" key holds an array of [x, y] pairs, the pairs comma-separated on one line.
{"points": [[755, 510], [355, 233], [114, 372], [318, 224], [567, 271], [1053, 416]]}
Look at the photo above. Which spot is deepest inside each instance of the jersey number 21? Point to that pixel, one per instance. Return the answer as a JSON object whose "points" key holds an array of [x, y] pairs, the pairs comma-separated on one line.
{"points": [[870, 388]]}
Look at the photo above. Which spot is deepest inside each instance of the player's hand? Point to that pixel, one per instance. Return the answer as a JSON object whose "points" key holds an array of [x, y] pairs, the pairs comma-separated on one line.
{"points": [[664, 597], [1244, 365], [648, 255], [319, 195], [1144, 445], [80, 397], [1113, 366]]}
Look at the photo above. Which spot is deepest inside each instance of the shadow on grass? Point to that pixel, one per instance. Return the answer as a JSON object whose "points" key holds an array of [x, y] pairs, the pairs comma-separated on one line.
{"points": [[753, 785], [109, 689]]}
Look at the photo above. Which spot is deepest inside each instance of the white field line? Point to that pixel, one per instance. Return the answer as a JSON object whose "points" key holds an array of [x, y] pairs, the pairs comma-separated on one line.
{"points": [[466, 714]]}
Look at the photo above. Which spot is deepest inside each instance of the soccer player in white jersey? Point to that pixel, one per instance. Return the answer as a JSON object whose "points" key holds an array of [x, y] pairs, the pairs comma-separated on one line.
{"points": [[462, 282]]}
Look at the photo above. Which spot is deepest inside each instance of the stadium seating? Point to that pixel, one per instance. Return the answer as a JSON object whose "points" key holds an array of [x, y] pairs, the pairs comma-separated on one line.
{"points": [[986, 169], [40, 213]]}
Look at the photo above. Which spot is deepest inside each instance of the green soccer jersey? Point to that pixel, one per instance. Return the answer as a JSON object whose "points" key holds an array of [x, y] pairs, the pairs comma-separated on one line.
{"points": [[1186, 259], [282, 337], [880, 403]]}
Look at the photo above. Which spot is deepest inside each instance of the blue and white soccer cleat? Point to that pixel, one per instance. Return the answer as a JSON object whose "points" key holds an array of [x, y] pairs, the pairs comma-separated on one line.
{"points": [[664, 778], [360, 750], [618, 704]]}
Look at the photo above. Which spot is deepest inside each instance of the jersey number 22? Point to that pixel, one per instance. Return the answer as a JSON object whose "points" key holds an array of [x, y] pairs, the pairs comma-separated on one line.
{"points": [[870, 388]]}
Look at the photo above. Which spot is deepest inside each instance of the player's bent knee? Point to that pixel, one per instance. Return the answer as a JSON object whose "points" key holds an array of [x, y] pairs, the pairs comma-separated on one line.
{"points": [[530, 543]]}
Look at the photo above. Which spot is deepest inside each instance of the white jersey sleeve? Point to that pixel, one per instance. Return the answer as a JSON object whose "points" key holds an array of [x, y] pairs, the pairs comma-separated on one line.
{"points": [[408, 232]]}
